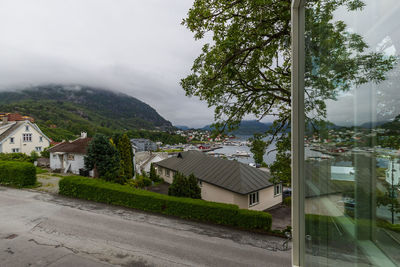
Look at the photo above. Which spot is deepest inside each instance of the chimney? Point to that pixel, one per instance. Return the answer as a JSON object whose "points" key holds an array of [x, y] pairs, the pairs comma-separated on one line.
{"points": [[83, 134]]}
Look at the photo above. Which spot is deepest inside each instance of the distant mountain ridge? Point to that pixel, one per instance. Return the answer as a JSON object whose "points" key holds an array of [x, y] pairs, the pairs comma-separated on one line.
{"points": [[82, 108], [247, 127]]}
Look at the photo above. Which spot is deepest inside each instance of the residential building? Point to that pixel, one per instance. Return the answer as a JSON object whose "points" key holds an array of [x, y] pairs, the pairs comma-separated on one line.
{"points": [[345, 53], [144, 159], [223, 180], [21, 137], [141, 144], [69, 156]]}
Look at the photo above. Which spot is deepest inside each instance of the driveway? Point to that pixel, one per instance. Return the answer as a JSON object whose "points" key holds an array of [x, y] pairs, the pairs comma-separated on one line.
{"points": [[41, 229]]}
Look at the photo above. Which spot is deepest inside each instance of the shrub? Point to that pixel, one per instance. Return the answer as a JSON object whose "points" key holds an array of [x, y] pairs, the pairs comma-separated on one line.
{"points": [[34, 156], [19, 174], [251, 219], [153, 174], [183, 186], [287, 201], [196, 209], [15, 157]]}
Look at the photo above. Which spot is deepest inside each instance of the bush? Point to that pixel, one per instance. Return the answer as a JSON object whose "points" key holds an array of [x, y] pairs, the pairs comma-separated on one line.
{"points": [[251, 219], [183, 186], [287, 201], [15, 157], [18, 174], [196, 209]]}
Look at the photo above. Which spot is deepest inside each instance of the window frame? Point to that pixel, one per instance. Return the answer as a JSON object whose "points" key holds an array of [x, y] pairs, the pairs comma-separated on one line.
{"points": [[27, 137], [254, 198], [12, 140], [277, 189], [15, 150]]}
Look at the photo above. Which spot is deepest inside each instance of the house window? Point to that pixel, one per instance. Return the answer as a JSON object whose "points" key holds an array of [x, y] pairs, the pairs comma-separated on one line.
{"points": [[27, 128], [277, 189], [38, 148], [71, 157], [12, 140], [160, 171], [40, 138], [15, 150], [167, 172], [27, 137], [253, 199], [54, 156]]}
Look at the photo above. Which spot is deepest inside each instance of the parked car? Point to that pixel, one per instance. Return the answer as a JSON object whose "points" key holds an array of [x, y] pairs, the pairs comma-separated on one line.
{"points": [[287, 192]]}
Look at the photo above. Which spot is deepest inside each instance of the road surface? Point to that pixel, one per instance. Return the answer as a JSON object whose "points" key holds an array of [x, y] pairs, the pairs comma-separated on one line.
{"points": [[41, 229]]}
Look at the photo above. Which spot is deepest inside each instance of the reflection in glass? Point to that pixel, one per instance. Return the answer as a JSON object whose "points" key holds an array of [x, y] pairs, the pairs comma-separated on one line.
{"points": [[352, 143]]}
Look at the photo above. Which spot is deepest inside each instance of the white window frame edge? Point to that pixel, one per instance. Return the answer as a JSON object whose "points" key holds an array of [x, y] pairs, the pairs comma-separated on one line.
{"points": [[298, 127]]}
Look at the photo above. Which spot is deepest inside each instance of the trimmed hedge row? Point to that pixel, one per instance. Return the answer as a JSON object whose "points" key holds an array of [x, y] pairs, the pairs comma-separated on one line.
{"points": [[196, 209], [17, 174]]}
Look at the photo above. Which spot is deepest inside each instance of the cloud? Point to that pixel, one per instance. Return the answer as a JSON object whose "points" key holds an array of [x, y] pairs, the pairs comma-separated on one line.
{"points": [[136, 47]]}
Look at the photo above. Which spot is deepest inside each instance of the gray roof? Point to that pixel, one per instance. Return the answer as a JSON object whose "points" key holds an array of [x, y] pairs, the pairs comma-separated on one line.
{"points": [[10, 130], [231, 175]]}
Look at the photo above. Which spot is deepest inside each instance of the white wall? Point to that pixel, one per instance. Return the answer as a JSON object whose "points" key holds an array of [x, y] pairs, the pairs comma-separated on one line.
{"points": [[267, 199], [62, 162], [25, 147]]}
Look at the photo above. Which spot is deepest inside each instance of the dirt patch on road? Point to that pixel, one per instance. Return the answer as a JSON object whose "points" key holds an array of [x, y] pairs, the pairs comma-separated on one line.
{"points": [[48, 182]]}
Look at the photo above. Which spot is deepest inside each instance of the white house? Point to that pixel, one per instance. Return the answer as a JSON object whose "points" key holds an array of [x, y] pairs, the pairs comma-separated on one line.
{"points": [[69, 156], [144, 159], [223, 180], [21, 137]]}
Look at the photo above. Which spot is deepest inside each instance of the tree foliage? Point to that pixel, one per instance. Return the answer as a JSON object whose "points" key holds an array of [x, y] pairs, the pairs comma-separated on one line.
{"points": [[153, 174], [183, 186], [103, 157], [258, 148], [245, 69], [125, 152]]}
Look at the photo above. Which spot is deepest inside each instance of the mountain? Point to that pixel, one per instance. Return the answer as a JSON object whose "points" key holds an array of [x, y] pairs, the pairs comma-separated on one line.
{"points": [[182, 127], [247, 127], [65, 111]]}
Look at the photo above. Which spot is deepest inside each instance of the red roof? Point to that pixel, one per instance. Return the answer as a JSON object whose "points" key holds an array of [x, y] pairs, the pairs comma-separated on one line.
{"points": [[79, 146]]}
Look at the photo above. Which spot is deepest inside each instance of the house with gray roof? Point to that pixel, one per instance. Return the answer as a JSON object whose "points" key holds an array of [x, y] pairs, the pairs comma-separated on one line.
{"points": [[223, 180], [21, 137]]}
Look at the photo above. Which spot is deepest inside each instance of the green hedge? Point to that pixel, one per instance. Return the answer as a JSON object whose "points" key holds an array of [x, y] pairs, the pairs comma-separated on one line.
{"points": [[196, 209], [19, 174]]}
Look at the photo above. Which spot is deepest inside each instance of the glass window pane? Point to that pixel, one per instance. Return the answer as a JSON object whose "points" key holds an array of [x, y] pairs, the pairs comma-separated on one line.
{"points": [[352, 138]]}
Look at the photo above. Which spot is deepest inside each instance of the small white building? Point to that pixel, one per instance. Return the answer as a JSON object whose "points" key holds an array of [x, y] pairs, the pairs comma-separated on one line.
{"points": [[21, 137], [144, 159], [69, 156]]}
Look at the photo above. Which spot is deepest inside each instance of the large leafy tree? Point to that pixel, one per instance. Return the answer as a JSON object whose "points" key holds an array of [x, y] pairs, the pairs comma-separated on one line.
{"points": [[125, 151], [245, 69], [102, 156], [258, 147]]}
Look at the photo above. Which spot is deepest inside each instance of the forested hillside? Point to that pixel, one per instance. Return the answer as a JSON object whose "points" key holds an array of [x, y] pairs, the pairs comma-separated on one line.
{"points": [[63, 112]]}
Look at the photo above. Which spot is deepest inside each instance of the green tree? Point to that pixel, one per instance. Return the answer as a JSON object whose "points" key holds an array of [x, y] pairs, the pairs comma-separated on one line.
{"points": [[183, 186], [125, 151], [194, 188], [153, 174], [258, 148], [246, 67], [103, 157]]}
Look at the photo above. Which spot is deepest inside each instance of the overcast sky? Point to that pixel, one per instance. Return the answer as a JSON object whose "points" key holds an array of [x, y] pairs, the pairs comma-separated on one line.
{"points": [[140, 48], [136, 47]]}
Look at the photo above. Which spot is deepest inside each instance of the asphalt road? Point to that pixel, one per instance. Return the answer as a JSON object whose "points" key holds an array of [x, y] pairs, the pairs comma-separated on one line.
{"points": [[40, 229]]}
